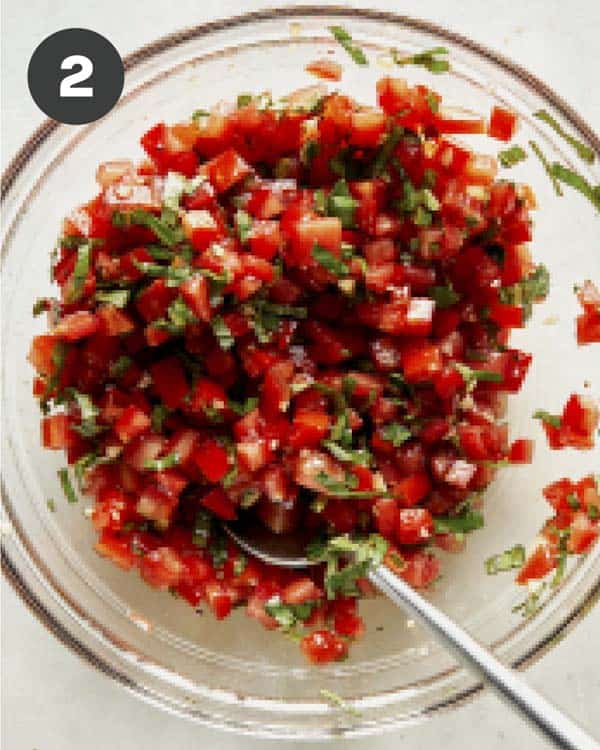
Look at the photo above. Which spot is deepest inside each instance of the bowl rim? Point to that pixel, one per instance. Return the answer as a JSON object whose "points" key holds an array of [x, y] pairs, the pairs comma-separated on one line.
{"points": [[17, 165]]}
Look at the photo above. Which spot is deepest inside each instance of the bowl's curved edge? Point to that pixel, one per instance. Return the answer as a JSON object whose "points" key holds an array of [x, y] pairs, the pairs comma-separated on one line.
{"points": [[35, 141]]}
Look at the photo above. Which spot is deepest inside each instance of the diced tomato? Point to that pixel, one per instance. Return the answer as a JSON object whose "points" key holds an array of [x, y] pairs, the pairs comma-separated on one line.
{"points": [[132, 422], [162, 568], [506, 316], [57, 432], [156, 505], [212, 460], [415, 526], [537, 565], [324, 68], [412, 489], [421, 569], [521, 451], [309, 428], [116, 548], [300, 591], [227, 169], [503, 124], [218, 502], [219, 598], [195, 294], [584, 533], [78, 325], [169, 381], [153, 301], [420, 363], [114, 322], [323, 647]]}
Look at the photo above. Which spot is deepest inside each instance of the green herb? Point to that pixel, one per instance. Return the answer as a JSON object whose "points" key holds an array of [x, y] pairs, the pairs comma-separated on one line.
{"points": [[288, 615], [593, 512], [218, 551], [470, 520], [551, 419], [345, 489], [243, 223], [432, 102], [83, 464], [511, 156], [158, 252], [160, 464], [80, 272], [229, 478], [115, 297], [174, 275], [524, 293], [359, 456], [343, 37], [329, 261], [89, 413], [168, 235], [222, 333], [573, 501], [40, 306], [67, 487], [340, 203], [507, 560], [308, 152], [396, 433], [199, 113], [583, 151], [577, 182], [239, 564], [433, 59], [530, 605], [120, 366], [386, 150], [241, 409], [339, 702], [214, 415], [472, 376], [51, 505], [202, 528], [159, 413], [561, 567], [320, 201], [546, 164], [443, 296], [244, 100]]}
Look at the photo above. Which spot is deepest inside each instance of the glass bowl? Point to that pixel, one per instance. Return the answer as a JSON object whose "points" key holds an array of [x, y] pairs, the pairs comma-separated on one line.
{"points": [[235, 674]]}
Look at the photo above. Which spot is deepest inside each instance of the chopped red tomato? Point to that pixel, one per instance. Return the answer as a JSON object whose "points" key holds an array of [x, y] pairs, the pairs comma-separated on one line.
{"points": [[503, 124]]}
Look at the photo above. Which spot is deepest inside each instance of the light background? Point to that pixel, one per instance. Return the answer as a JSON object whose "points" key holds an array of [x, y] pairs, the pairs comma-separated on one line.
{"points": [[53, 701]]}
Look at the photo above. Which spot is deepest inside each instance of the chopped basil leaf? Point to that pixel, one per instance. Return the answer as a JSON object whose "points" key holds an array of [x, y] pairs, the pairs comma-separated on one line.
{"points": [[202, 528], [218, 551], [40, 306], [340, 203], [396, 433], [584, 152], [359, 456], [120, 366], [89, 412], [51, 505], [243, 223], [346, 489], [80, 272], [241, 409], [115, 297], [546, 164], [159, 413], [386, 150], [229, 478], [222, 333], [472, 377], [160, 464], [443, 296], [288, 615], [239, 564], [339, 702], [530, 605], [308, 152], [432, 102], [573, 501], [168, 235], [329, 261], [343, 37], [524, 293], [84, 463], [67, 487], [244, 100], [199, 113], [174, 275], [551, 419], [577, 182], [511, 156], [593, 512], [507, 560], [471, 520], [433, 59]]}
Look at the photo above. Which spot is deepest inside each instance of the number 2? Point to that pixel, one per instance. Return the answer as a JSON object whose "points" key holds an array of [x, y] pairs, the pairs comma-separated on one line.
{"points": [[68, 84]]}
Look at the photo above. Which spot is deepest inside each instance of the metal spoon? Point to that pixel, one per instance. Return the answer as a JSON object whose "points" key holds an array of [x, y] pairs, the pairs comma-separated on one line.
{"points": [[289, 551]]}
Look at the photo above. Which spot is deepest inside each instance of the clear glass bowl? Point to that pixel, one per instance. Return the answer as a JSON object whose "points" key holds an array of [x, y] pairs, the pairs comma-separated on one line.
{"points": [[235, 674]]}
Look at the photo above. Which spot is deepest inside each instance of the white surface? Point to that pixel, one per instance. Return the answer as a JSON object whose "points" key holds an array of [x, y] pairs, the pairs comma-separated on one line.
{"points": [[53, 701]]}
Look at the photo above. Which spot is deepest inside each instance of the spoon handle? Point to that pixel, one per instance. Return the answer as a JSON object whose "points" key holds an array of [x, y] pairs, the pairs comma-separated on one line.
{"points": [[545, 717]]}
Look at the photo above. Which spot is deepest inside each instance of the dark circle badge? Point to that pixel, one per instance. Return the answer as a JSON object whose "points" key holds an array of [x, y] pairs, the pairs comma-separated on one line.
{"points": [[75, 76]]}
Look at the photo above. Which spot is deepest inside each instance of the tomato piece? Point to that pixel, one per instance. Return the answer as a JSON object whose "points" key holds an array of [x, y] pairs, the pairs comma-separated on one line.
{"points": [[76, 326], [301, 590], [412, 489], [219, 598], [117, 548], [226, 170], [218, 502], [506, 316], [463, 126], [386, 513], [113, 509], [309, 428], [212, 460], [323, 647], [156, 505], [161, 568], [415, 526], [57, 433], [324, 68], [537, 565], [521, 451], [169, 381], [584, 533], [420, 362], [421, 569], [153, 301], [503, 124], [195, 293], [132, 422]]}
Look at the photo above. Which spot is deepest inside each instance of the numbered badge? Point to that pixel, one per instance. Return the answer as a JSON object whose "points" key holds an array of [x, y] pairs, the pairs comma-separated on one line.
{"points": [[75, 76]]}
